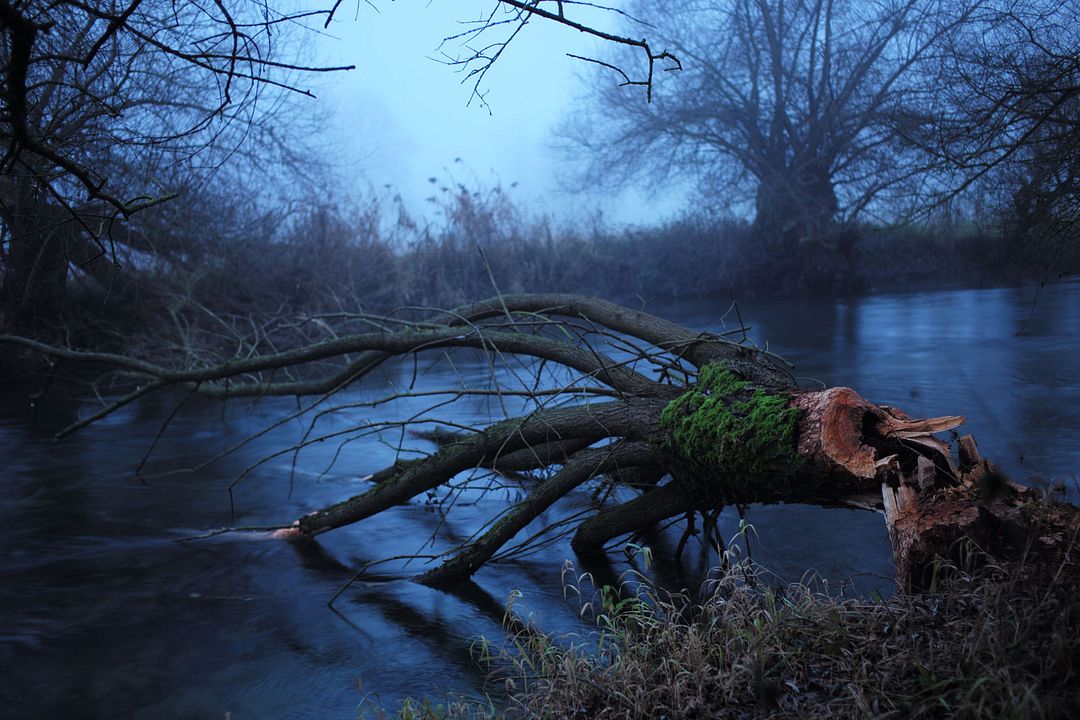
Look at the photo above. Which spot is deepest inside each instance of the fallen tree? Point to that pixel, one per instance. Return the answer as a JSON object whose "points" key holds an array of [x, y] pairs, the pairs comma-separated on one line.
{"points": [[691, 421]]}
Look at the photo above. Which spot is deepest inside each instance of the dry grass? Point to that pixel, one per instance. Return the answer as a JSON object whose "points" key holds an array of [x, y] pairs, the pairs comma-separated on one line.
{"points": [[991, 645]]}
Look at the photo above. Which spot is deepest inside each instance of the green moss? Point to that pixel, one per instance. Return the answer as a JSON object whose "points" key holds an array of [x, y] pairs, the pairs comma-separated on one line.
{"points": [[727, 434]]}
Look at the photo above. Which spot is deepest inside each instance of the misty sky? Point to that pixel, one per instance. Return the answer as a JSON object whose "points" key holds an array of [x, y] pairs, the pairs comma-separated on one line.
{"points": [[401, 117]]}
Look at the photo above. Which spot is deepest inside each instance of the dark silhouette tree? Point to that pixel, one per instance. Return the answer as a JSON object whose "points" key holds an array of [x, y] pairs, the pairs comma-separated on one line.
{"points": [[1007, 126], [107, 108], [792, 104], [110, 107]]}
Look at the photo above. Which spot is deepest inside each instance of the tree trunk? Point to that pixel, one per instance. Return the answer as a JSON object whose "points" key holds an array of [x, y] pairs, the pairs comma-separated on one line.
{"points": [[35, 266], [942, 506], [795, 205], [794, 212]]}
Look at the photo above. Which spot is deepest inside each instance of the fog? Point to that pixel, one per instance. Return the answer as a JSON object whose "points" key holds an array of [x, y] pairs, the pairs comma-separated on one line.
{"points": [[404, 115]]}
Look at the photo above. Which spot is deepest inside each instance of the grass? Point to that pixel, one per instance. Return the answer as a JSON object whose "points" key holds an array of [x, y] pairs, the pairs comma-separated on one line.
{"points": [[989, 645]]}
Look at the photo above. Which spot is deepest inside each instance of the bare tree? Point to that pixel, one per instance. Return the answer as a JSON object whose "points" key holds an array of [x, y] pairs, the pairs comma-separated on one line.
{"points": [[104, 104], [1006, 126], [109, 107], [487, 37], [793, 103], [667, 421]]}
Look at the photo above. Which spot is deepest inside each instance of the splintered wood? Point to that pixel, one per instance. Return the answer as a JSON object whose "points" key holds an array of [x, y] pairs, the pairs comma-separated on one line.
{"points": [[940, 502]]}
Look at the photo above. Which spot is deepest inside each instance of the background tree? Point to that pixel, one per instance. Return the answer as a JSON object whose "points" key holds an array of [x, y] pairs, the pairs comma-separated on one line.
{"points": [[795, 103], [1006, 124], [110, 108]]}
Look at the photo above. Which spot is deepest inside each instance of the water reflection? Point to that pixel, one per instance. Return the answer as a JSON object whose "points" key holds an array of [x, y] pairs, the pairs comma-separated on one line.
{"points": [[107, 615]]}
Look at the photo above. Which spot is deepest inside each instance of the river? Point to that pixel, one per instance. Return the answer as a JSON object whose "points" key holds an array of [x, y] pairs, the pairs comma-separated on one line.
{"points": [[105, 614]]}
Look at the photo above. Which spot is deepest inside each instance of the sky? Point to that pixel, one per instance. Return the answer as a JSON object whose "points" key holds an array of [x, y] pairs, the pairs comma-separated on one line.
{"points": [[402, 117]]}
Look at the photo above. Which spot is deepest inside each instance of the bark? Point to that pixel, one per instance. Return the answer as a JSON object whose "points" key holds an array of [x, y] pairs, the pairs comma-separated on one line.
{"points": [[794, 206], [978, 517], [642, 512]]}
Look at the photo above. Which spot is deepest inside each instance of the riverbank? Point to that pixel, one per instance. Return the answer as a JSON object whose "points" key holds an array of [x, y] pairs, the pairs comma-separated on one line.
{"points": [[262, 295], [218, 284], [324, 265], [983, 645]]}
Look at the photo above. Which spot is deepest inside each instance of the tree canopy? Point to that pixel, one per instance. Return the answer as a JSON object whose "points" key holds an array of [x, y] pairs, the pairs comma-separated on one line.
{"points": [[813, 114]]}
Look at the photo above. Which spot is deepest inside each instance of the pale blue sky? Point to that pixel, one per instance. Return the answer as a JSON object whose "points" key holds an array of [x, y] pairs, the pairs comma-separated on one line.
{"points": [[402, 117]]}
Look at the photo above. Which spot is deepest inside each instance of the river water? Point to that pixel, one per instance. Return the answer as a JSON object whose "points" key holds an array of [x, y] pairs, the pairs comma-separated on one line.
{"points": [[105, 614]]}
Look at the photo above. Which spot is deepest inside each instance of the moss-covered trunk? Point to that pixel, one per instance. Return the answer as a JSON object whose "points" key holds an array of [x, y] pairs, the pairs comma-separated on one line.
{"points": [[726, 441]]}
